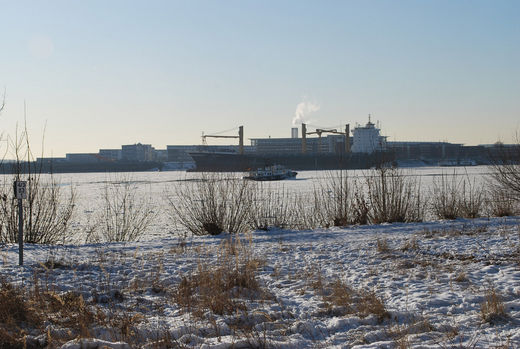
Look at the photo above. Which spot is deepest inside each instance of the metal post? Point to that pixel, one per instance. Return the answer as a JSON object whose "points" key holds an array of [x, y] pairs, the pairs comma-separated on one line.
{"points": [[304, 138], [241, 140], [20, 193], [347, 138], [20, 232]]}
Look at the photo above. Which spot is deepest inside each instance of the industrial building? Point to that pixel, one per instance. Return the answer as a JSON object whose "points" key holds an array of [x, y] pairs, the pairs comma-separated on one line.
{"points": [[110, 154], [365, 139], [137, 152], [82, 157], [328, 144]]}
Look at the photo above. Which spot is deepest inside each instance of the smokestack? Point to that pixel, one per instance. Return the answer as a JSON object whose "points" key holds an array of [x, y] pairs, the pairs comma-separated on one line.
{"points": [[241, 139], [304, 138], [294, 132], [347, 138]]}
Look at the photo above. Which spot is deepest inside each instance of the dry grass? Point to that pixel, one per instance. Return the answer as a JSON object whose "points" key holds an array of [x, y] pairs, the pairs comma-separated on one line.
{"points": [[39, 316], [461, 277], [492, 309], [410, 244], [16, 313], [382, 245], [340, 299], [23, 312], [218, 285], [402, 333]]}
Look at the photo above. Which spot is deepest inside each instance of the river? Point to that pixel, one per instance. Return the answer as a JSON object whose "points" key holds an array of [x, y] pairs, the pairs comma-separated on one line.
{"points": [[156, 187]]}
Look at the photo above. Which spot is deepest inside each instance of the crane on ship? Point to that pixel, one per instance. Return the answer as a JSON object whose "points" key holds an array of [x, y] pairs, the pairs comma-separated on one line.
{"points": [[320, 131], [240, 137]]}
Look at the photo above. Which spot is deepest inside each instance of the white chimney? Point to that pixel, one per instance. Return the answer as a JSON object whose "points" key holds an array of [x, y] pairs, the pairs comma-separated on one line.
{"points": [[294, 132]]}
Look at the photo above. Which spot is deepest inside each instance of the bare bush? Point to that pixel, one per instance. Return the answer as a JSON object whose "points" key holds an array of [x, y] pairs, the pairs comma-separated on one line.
{"points": [[125, 214], [336, 199], [213, 204], [473, 198], [271, 207], [47, 212], [46, 215], [446, 197], [501, 204], [453, 197], [393, 196], [505, 169], [306, 212]]}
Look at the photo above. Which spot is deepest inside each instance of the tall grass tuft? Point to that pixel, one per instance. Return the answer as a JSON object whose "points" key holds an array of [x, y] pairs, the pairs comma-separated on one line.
{"points": [[492, 308]]}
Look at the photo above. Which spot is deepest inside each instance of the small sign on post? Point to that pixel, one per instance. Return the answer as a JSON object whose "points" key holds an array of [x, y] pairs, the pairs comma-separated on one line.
{"points": [[20, 189], [20, 192]]}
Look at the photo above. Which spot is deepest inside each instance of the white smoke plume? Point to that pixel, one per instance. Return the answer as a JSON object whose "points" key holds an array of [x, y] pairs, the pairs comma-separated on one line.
{"points": [[303, 111]]}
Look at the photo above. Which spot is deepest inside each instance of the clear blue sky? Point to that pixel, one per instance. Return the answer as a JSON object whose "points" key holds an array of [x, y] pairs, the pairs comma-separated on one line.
{"points": [[100, 74]]}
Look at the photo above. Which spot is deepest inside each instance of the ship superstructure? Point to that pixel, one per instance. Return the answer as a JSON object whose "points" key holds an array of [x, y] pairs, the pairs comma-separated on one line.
{"points": [[367, 139]]}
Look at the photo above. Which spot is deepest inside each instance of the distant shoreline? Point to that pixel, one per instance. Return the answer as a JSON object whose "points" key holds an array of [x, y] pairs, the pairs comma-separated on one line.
{"points": [[71, 167]]}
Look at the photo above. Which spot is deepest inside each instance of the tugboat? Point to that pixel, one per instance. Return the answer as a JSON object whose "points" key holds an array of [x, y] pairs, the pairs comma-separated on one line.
{"points": [[271, 173]]}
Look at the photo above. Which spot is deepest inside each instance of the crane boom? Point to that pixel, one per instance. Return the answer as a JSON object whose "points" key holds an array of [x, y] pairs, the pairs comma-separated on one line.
{"points": [[240, 138], [319, 131], [216, 136]]}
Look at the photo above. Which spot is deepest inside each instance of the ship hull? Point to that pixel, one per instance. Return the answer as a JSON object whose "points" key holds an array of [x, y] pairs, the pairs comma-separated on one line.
{"points": [[229, 162]]}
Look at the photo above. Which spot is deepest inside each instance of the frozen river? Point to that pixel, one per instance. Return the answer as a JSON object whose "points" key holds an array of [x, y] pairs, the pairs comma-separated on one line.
{"points": [[156, 187]]}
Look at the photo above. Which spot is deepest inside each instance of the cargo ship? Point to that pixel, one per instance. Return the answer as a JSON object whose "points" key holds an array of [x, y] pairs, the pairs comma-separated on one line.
{"points": [[338, 150], [233, 162]]}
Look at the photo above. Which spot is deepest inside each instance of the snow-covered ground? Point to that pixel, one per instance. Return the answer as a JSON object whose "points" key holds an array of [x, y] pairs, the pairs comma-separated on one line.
{"points": [[320, 288]]}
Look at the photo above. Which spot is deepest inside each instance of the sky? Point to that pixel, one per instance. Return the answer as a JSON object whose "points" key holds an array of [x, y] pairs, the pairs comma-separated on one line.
{"points": [[99, 74]]}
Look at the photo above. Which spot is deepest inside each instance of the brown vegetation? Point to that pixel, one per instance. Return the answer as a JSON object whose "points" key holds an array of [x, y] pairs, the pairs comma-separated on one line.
{"points": [[217, 286]]}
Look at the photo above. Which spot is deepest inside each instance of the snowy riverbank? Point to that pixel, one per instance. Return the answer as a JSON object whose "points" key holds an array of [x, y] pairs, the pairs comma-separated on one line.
{"points": [[386, 285]]}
